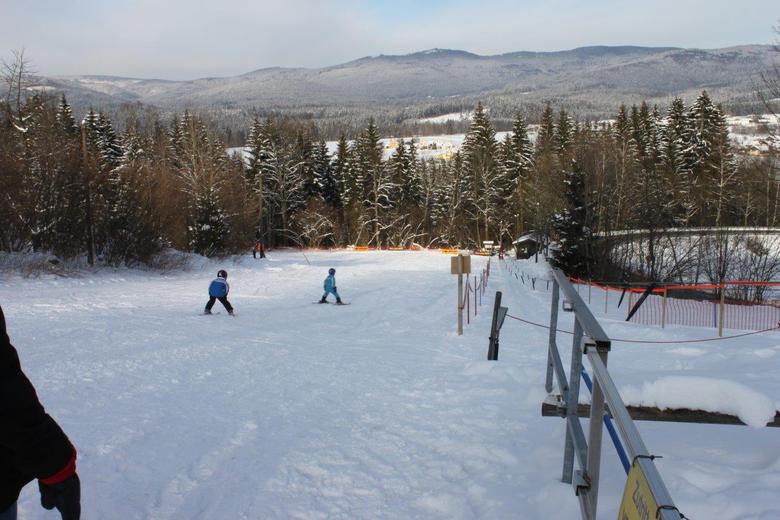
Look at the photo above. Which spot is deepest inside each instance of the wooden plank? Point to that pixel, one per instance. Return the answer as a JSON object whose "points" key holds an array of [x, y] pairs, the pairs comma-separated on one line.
{"points": [[649, 413]]}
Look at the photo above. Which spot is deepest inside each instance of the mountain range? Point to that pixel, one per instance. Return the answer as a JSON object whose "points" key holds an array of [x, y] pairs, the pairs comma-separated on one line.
{"points": [[586, 78]]}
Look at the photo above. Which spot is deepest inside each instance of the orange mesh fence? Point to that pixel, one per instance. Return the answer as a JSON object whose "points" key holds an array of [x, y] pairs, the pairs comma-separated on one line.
{"points": [[692, 305]]}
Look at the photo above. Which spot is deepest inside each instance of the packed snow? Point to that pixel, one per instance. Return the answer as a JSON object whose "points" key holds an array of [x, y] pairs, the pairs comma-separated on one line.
{"points": [[703, 393], [373, 410]]}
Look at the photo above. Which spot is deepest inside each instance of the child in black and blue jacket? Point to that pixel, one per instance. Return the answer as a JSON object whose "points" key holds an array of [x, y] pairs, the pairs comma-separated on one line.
{"points": [[218, 290]]}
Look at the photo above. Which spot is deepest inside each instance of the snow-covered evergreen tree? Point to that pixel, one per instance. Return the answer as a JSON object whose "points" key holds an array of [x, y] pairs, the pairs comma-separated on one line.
{"points": [[324, 170], [65, 117], [572, 225], [209, 227], [564, 137], [481, 162]]}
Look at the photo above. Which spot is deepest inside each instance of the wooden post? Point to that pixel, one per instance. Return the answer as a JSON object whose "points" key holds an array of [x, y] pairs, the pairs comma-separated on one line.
{"points": [[493, 344], [663, 310], [722, 309]]}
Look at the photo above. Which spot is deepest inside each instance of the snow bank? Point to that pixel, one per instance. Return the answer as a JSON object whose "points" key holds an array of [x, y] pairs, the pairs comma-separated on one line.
{"points": [[703, 393]]}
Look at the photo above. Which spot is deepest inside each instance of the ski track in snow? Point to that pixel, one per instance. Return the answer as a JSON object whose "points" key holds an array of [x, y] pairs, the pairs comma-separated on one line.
{"points": [[376, 410]]}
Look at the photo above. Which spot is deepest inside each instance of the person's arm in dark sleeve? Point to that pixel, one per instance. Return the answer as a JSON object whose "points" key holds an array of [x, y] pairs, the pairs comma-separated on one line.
{"points": [[38, 446]]}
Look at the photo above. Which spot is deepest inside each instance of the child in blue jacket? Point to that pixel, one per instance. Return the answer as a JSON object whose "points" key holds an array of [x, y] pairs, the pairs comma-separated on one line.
{"points": [[218, 290], [330, 287]]}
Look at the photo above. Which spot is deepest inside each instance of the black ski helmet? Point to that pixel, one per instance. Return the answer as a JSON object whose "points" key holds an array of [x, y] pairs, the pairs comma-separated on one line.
{"points": [[331, 271], [222, 274]]}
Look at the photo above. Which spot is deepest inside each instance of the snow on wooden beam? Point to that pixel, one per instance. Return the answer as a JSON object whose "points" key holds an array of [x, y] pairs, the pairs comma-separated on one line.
{"points": [[651, 413]]}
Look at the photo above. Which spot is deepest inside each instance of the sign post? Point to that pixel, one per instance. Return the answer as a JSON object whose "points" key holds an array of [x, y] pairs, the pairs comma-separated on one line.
{"points": [[460, 265]]}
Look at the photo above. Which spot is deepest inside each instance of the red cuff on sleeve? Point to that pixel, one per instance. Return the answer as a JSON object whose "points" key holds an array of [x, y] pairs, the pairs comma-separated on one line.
{"points": [[67, 471]]}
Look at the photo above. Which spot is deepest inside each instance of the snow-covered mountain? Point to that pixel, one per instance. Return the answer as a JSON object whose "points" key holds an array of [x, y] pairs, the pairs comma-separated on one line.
{"points": [[583, 76]]}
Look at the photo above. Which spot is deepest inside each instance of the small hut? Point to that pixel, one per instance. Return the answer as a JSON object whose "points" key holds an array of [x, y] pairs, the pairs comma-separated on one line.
{"points": [[527, 245]]}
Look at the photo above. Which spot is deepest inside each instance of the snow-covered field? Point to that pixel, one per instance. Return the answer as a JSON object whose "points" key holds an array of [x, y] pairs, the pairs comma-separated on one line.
{"points": [[374, 410], [446, 118], [748, 132]]}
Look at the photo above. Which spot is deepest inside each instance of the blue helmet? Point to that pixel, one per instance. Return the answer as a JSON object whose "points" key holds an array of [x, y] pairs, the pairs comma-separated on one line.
{"points": [[331, 271]]}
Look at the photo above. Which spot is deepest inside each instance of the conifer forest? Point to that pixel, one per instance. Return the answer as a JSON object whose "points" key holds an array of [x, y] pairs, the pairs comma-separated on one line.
{"points": [[75, 186]]}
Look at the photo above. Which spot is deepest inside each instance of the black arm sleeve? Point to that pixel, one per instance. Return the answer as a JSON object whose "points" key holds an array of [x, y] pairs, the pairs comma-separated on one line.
{"points": [[32, 445]]}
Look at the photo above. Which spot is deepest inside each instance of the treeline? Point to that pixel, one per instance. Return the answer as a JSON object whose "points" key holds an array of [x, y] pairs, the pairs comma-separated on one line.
{"points": [[80, 188]]}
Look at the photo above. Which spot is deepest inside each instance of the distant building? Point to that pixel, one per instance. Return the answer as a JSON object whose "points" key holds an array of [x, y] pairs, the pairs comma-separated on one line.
{"points": [[527, 245]]}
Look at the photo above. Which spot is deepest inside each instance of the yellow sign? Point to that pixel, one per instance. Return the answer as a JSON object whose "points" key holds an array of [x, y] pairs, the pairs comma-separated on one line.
{"points": [[638, 501]]}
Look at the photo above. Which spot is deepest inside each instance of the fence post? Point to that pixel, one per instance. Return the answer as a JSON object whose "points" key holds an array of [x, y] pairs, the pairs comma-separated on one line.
{"points": [[468, 300], [548, 385], [572, 401], [475, 295], [722, 309], [663, 310], [493, 345], [595, 433], [460, 295]]}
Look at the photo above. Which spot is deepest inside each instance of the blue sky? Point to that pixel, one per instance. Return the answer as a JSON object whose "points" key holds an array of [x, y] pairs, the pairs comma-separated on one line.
{"points": [[180, 39]]}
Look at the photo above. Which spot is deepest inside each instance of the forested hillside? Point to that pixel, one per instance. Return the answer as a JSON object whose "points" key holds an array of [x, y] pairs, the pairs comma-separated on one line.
{"points": [[81, 188]]}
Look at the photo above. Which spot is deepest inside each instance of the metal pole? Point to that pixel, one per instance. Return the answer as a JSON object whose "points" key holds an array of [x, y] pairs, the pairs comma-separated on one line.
{"points": [[722, 309], [572, 400], [595, 435], [663, 310], [475, 294], [460, 296], [468, 301], [548, 385]]}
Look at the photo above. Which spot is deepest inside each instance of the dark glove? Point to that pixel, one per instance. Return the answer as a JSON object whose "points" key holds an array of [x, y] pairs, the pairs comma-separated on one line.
{"points": [[65, 496], [334, 288]]}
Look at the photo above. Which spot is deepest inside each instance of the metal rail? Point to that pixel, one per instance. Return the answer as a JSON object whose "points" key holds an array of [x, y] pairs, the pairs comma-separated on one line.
{"points": [[591, 340]]}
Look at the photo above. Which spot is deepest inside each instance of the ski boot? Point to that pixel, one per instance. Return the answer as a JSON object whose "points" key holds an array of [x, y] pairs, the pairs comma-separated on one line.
{"points": [[339, 302], [206, 311], [322, 300]]}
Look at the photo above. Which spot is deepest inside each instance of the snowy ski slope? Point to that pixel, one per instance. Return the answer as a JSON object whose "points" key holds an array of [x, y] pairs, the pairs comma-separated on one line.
{"points": [[376, 410]]}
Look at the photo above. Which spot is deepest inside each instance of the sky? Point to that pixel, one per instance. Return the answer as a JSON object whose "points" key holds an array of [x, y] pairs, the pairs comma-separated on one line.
{"points": [[187, 39]]}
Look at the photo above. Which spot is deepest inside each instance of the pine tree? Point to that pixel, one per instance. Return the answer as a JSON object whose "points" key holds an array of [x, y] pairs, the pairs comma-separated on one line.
{"points": [[481, 162], [676, 153], [209, 228], [517, 164], [370, 173], [545, 139], [572, 226], [65, 117], [324, 171], [564, 137], [260, 153]]}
